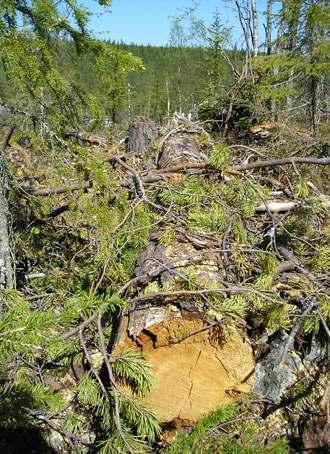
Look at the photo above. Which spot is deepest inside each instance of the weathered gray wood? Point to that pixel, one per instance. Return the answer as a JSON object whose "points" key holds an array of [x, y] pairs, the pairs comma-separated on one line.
{"points": [[179, 148], [140, 134], [6, 270], [6, 265], [254, 37]]}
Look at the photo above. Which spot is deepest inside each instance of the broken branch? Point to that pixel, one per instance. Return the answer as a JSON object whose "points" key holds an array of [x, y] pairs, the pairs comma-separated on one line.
{"points": [[44, 192], [283, 161]]}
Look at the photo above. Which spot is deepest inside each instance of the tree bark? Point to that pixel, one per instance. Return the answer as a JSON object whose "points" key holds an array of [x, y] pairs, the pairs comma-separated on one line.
{"points": [[6, 266], [168, 98], [244, 27], [269, 13], [292, 13], [7, 277], [141, 133], [314, 89], [255, 31], [45, 192]]}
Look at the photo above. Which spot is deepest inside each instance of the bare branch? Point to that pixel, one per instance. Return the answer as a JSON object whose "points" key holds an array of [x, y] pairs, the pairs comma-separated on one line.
{"points": [[44, 192], [295, 330], [112, 382], [137, 182], [188, 293], [284, 161]]}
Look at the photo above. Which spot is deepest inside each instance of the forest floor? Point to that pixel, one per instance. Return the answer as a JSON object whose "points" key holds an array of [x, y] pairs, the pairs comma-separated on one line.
{"points": [[222, 248]]}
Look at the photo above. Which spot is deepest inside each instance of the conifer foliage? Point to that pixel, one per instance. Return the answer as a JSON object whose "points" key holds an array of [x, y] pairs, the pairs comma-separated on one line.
{"points": [[77, 212], [38, 39], [34, 334]]}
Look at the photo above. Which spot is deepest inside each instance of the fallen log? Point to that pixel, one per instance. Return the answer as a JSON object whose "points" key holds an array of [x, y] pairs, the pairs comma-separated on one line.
{"points": [[251, 165], [284, 161], [44, 192], [85, 138], [179, 294], [276, 206], [280, 206], [167, 172]]}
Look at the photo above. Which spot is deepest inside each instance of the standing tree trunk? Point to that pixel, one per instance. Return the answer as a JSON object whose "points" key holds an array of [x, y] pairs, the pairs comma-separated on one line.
{"points": [[314, 104], [255, 31], [269, 13], [6, 268], [246, 28], [292, 12], [6, 265], [168, 98], [129, 102], [269, 49]]}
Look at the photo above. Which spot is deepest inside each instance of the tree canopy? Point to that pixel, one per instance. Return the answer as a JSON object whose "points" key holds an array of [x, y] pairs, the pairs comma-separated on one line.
{"points": [[41, 38]]}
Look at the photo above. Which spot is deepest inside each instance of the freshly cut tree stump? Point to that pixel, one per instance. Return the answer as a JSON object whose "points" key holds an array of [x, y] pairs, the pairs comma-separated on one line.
{"points": [[140, 134], [189, 357], [184, 345]]}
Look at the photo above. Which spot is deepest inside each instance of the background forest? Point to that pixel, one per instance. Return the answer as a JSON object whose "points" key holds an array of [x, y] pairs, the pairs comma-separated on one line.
{"points": [[138, 182]]}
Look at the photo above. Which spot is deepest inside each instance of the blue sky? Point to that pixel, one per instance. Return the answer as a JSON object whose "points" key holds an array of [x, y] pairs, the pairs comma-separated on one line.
{"points": [[147, 21]]}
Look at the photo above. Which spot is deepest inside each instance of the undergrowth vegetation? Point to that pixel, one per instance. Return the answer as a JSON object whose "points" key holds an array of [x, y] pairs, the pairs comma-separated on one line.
{"points": [[76, 267], [79, 214], [209, 435]]}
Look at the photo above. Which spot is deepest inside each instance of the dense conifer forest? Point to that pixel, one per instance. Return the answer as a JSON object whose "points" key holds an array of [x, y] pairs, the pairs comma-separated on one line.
{"points": [[164, 233], [174, 80]]}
